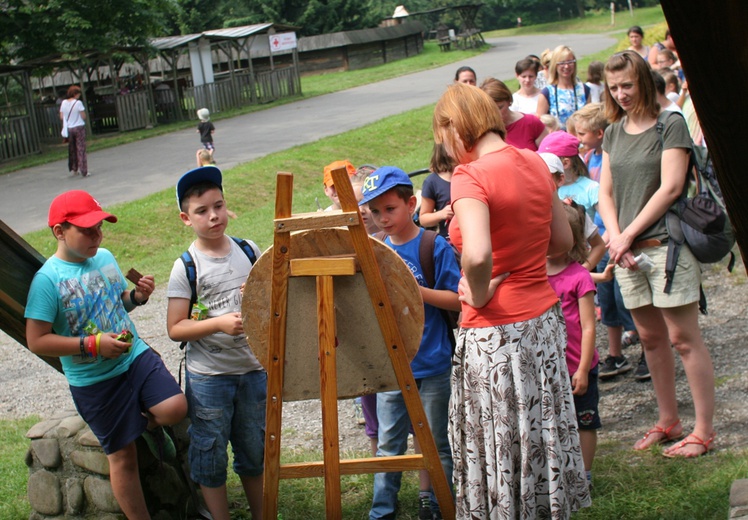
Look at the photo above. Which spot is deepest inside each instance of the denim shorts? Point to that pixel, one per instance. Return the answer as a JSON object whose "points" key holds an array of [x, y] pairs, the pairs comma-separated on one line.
{"points": [[114, 408], [585, 405], [223, 409]]}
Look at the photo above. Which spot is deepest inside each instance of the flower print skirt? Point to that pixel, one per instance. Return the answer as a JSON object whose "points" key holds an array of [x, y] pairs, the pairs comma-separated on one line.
{"points": [[512, 423]]}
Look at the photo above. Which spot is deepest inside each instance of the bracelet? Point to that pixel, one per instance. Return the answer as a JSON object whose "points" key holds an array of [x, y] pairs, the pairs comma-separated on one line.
{"points": [[98, 343], [83, 347], [134, 301], [92, 345]]}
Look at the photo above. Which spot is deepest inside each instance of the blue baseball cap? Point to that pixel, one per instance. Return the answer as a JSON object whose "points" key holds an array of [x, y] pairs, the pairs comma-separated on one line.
{"points": [[382, 180], [192, 177]]}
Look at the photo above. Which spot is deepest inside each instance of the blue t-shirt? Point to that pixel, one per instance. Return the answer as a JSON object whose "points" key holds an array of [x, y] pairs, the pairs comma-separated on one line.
{"points": [[69, 295], [437, 189], [583, 191], [434, 356]]}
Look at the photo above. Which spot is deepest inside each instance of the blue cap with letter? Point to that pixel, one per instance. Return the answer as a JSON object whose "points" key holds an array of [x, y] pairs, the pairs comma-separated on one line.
{"points": [[382, 180]]}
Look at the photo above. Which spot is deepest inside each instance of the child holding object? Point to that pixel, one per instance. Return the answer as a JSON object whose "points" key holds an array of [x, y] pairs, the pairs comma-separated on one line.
{"points": [[226, 385], [77, 310]]}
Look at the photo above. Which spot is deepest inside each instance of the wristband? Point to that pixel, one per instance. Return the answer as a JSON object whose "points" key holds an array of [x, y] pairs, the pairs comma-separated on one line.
{"points": [[83, 347], [134, 301], [98, 343], [91, 345]]}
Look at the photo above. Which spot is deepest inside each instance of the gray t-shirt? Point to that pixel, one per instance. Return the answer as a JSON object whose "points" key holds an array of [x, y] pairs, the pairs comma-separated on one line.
{"points": [[635, 168], [219, 283]]}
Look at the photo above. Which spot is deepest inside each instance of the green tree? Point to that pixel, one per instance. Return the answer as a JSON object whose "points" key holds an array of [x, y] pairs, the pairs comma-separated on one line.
{"points": [[43, 27]]}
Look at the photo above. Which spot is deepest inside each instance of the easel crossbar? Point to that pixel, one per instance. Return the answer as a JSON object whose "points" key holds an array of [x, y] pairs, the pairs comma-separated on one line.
{"points": [[354, 466]]}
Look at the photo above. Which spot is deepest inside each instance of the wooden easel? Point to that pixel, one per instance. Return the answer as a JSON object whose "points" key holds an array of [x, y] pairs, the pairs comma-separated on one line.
{"points": [[324, 269]]}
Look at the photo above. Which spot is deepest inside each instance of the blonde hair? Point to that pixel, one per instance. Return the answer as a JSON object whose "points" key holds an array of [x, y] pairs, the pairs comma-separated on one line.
{"points": [[556, 56], [205, 157], [591, 117], [550, 122], [575, 214], [469, 112]]}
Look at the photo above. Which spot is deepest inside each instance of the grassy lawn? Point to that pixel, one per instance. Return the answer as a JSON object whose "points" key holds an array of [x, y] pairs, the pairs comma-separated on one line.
{"points": [[626, 484]]}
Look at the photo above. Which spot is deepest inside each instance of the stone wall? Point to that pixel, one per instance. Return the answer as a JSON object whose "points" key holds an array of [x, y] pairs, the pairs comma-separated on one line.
{"points": [[69, 474]]}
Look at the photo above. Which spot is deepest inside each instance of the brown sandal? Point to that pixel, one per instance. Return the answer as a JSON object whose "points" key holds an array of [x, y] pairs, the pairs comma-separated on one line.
{"points": [[666, 436], [691, 439]]}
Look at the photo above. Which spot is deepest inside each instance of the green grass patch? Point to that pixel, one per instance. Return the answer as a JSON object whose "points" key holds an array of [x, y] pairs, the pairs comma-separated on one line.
{"points": [[594, 22], [13, 448]]}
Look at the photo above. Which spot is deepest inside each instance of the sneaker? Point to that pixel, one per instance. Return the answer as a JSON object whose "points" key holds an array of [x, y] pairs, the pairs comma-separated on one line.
{"points": [[160, 444], [642, 370], [424, 507], [358, 412], [628, 338], [614, 365]]}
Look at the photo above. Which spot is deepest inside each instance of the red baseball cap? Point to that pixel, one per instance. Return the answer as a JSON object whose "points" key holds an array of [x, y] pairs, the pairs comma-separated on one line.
{"points": [[79, 208]]}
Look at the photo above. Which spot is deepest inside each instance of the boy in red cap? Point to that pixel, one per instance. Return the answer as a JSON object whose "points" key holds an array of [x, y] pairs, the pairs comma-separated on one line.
{"points": [[78, 305]]}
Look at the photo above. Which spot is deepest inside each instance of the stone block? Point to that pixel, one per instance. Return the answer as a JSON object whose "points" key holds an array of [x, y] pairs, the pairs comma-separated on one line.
{"points": [[87, 438], [48, 452], [74, 494], [44, 493], [99, 493], [739, 493], [94, 461], [64, 413], [39, 429], [70, 426]]}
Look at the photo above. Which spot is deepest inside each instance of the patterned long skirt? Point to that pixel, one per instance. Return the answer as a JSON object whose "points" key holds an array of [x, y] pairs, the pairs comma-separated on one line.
{"points": [[512, 423]]}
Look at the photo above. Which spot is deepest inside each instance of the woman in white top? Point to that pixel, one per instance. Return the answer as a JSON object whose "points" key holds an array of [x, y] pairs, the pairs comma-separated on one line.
{"points": [[73, 116], [525, 100], [636, 35]]}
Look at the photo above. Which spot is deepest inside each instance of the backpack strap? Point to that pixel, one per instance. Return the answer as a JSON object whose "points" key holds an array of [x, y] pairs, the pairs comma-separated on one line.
{"points": [[247, 249], [426, 257], [191, 272]]}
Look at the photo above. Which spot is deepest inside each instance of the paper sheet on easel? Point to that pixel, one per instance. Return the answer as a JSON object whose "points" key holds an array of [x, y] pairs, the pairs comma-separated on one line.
{"points": [[362, 360]]}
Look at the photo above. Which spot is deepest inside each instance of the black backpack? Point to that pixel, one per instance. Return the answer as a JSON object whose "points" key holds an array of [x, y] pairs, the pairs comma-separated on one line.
{"points": [[191, 270], [699, 216], [426, 259]]}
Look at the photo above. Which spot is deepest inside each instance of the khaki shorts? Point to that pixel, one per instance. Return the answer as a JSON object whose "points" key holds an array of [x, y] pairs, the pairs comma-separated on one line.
{"points": [[639, 288]]}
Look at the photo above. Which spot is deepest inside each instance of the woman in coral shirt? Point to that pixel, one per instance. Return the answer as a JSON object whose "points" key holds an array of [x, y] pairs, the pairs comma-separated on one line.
{"points": [[512, 420]]}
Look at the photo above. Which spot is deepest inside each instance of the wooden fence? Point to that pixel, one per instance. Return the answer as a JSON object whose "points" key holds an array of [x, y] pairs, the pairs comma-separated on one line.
{"points": [[18, 137], [132, 111], [243, 90]]}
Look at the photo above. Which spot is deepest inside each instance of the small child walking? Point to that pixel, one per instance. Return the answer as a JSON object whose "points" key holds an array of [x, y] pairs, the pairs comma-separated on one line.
{"points": [[576, 290], [206, 130]]}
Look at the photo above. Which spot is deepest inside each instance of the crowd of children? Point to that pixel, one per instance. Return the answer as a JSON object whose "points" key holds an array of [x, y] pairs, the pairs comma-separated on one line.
{"points": [[79, 303]]}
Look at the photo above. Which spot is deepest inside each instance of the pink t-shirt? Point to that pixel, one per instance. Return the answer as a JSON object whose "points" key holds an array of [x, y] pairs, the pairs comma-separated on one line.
{"points": [[570, 285], [522, 133], [518, 189]]}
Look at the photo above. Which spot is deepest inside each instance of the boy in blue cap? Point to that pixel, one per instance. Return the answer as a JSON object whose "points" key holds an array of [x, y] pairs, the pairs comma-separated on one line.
{"points": [[389, 193], [226, 385]]}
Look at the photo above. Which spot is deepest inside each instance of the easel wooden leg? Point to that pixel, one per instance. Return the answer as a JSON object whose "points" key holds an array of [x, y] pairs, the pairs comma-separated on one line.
{"points": [[277, 347], [329, 395]]}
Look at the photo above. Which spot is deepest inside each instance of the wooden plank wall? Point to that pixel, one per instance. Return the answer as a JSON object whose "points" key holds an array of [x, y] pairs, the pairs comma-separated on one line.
{"points": [[17, 137], [18, 264]]}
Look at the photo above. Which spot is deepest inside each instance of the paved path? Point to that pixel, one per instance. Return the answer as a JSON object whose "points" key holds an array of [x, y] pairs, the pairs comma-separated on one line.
{"points": [[132, 171]]}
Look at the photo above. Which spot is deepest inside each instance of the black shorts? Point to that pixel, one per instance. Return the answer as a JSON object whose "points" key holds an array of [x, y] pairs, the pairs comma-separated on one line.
{"points": [[588, 417], [114, 408]]}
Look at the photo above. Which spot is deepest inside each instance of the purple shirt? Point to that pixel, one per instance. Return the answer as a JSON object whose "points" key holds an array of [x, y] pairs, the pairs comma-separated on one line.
{"points": [[570, 285]]}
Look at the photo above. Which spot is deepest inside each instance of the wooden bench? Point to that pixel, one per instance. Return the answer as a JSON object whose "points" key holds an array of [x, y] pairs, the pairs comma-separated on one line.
{"points": [[445, 44]]}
